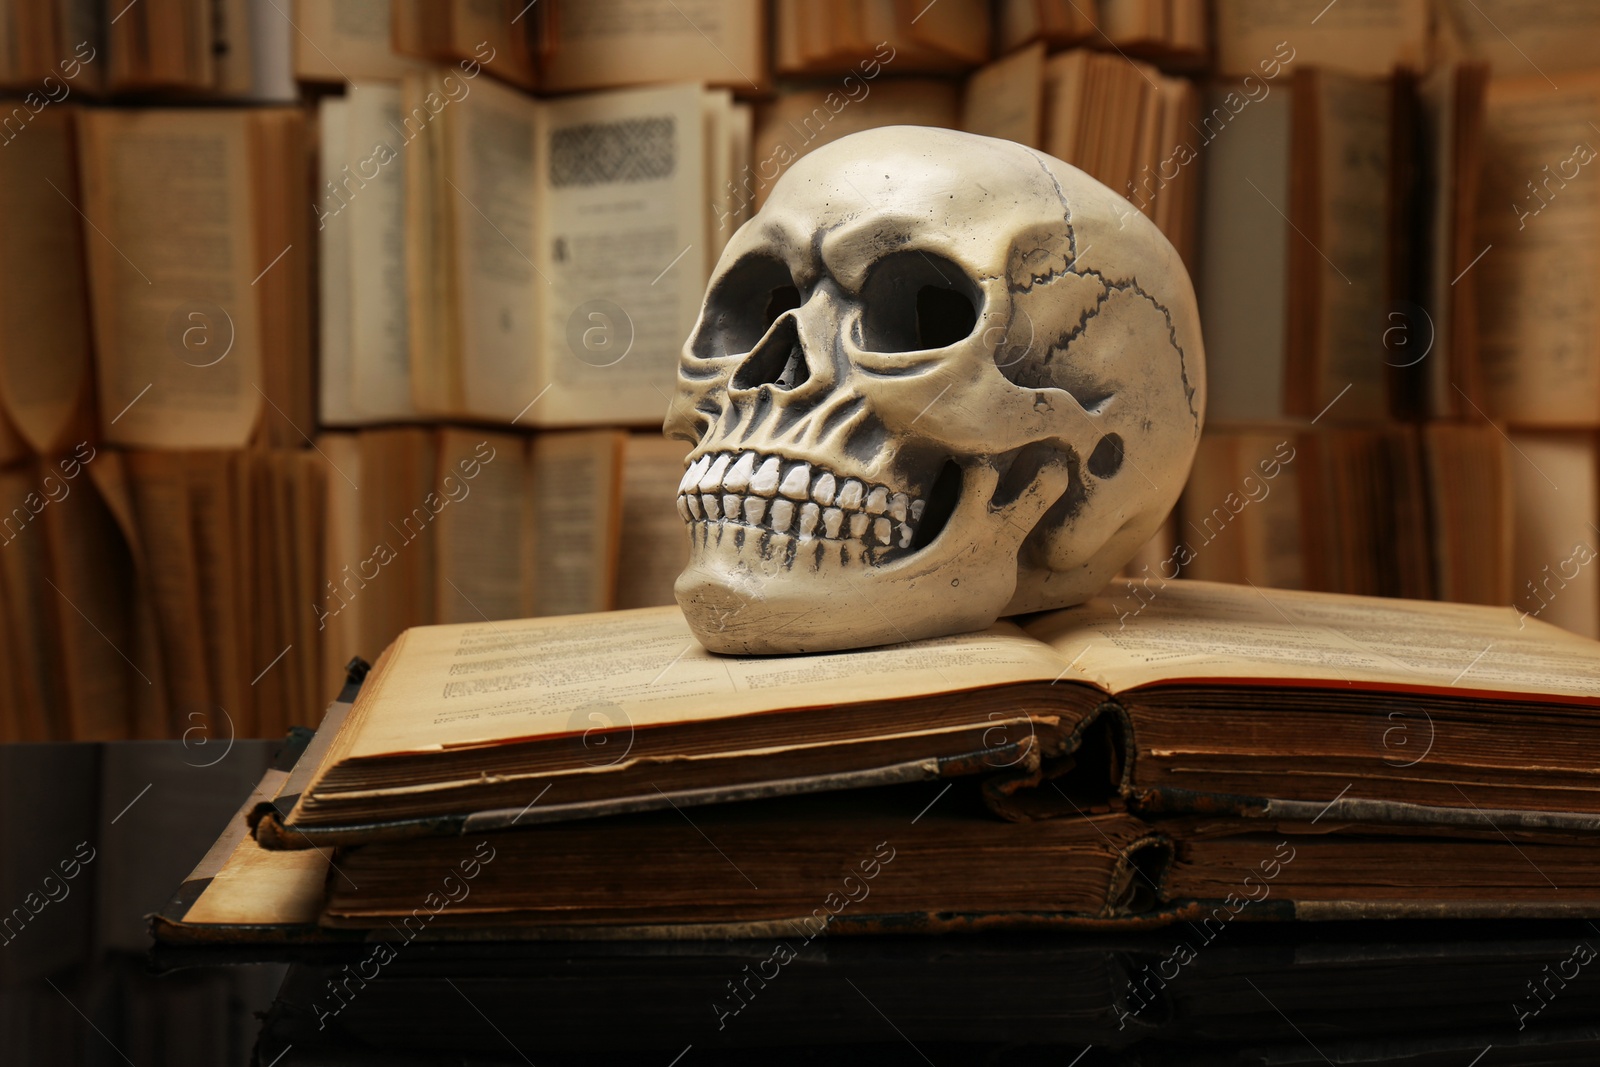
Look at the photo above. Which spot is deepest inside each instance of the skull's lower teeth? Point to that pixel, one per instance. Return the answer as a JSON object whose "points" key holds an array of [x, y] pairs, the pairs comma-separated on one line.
{"points": [[790, 497]]}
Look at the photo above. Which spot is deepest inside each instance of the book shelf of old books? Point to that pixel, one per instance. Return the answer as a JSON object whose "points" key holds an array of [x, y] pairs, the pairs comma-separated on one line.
{"points": [[322, 321]]}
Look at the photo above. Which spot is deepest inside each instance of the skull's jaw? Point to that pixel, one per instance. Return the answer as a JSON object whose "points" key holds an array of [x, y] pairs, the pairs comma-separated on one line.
{"points": [[734, 608], [753, 591]]}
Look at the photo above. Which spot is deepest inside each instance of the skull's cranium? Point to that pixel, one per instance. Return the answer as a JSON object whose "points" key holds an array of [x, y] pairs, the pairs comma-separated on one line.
{"points": [[937, 378]]}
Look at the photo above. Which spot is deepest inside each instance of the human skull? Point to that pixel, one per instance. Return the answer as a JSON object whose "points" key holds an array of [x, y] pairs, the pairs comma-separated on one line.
{"points": [[938, 378]]}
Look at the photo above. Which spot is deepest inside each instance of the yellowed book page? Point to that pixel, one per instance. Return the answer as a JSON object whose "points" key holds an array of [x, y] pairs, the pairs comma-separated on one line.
{"points": [[282, 211], [260, 887], [734, 209], [528, 600], [1156, 553], [479, 552], [93, 579], [1217, 551], [496, 33], [1006, 98], [346, 41], [1155, 109], [801, 121], [1065, 76], [336, 398], [232, 40], [576, 481], [655, 541], [1124, 22], [957, 28], [481, 683], [602, 44], [278, 690], [1241, 511], [380, 365], [311, 523], [44, 310], [337, 604], [717, 109], [149, 709], [408, 33], [1274, 543], [887, 22], [373, 585], [1016, 23], [1132, 636], [267, 539], [1245, 197], [214, 509], [434, 211], [1521, 38], [1539, 209], [420, 465], [1069, 18], [491, 185], [163, 44], [161, 501], [1163, 188], [1555, 570], [1436, 100], [1367, 37], [271, 40], [1352, 275], [1471, 493], [818, 43], [1190, 28], [622, 170], [171, 261], [786, 22]]}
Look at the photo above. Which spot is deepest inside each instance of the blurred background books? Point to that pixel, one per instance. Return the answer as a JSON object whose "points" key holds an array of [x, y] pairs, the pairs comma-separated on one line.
{"points": [[321, 320]]}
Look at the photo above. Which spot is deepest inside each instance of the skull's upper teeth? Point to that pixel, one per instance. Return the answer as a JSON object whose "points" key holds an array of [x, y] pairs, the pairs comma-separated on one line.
{"points": [[737, 480], [766, 479], [797, 483], [795, 498], [713, 477]]}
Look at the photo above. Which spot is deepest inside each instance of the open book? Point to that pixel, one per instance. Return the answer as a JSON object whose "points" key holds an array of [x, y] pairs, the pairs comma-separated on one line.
{"points": [[1121, 122], [1399, 511], [508, 213], [515, 211], [210, 348], [1539, 313], [46, 382], [556, 46], [1298, 163], [1183, 695]]}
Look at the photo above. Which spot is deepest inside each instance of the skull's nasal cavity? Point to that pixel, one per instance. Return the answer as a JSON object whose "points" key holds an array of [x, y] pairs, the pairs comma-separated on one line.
{"points": [[777, 360]]}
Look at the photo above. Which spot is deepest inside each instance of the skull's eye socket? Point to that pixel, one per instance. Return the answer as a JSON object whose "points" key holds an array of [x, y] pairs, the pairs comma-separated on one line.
{"points": [[744, 304], [914, 301]]}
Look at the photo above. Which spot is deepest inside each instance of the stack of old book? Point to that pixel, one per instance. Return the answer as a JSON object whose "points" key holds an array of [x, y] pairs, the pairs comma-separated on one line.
{"points": [[1179, 751]]}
